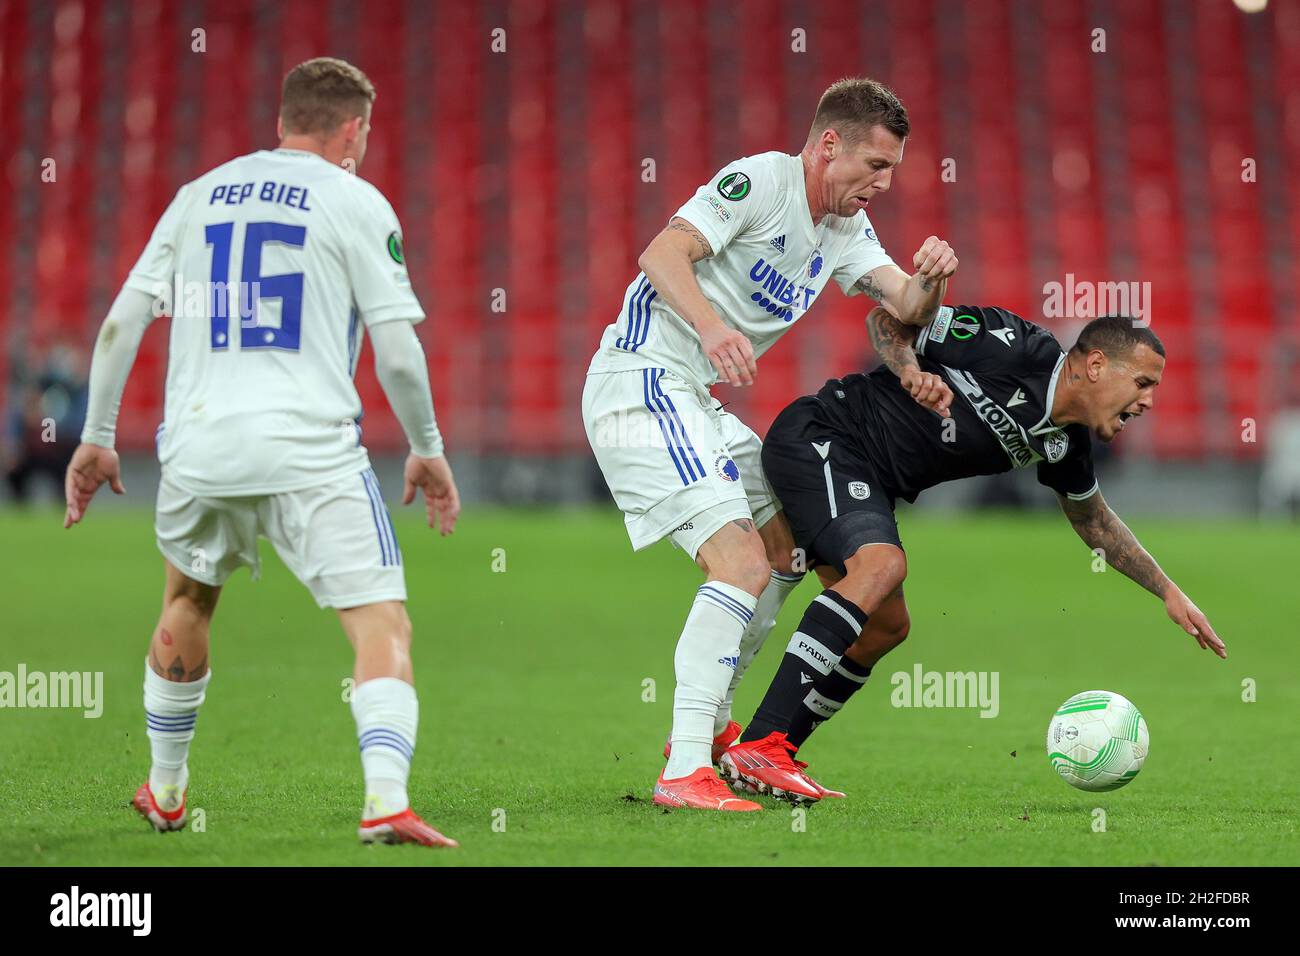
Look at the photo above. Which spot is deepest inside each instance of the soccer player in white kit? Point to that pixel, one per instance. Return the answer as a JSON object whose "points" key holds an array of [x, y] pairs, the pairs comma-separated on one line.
{"points": [[735, 268], [273, 266]]}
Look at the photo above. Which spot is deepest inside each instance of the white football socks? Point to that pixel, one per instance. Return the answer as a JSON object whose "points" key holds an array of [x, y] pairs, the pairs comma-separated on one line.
{"points": [[387, 713], [708, 652], [769, 606], [170, 709]]}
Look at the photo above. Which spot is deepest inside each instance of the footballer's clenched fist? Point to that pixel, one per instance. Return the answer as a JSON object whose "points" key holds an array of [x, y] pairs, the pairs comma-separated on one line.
{"points": [[935, 259]]}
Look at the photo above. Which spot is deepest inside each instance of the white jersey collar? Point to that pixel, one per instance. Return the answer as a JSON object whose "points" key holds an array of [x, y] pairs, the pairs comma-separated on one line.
{"points": [[1047, 424]]}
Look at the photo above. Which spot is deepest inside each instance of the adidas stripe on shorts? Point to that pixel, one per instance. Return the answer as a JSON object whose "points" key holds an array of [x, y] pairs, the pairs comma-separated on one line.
{"points": [[674, 460]]}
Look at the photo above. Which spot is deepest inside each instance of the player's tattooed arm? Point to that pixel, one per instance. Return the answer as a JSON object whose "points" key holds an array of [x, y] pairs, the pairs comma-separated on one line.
{"points": [[702, 249], [892, 340], [669, 263], [867, 285], [913, 299], [916, 298], [1100, 528]]}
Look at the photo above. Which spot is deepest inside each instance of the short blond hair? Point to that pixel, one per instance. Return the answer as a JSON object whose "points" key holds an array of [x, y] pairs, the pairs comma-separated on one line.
{"points": [[853, 105], [321, 95]]}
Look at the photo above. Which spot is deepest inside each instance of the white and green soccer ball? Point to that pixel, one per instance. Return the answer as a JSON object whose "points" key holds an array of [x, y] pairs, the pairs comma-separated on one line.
{"points": [[1097, 740]]}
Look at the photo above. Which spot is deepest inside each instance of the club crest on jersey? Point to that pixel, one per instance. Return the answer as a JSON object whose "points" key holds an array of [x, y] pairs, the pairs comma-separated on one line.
{"points": [[1055, 445], [859, 490], [815, 264], [726, 469], [395, 248], [734, 186], [871, 234]]}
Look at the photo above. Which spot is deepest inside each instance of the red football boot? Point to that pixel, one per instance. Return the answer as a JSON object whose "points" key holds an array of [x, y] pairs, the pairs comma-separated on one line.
{"points": [[826, 792], [701, 790], [767, 766], [162, 820], [404, 827]]}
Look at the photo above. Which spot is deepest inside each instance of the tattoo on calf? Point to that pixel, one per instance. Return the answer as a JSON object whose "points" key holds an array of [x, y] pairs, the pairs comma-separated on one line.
{"points": [[177, 671]]}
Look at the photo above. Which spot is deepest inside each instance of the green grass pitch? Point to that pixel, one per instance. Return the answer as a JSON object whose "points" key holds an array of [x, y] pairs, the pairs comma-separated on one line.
{"points": [[531, 685]]}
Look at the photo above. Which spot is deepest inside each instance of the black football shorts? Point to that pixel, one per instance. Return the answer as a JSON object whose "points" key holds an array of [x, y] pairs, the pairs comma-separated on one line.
{"points": [[832, 496]]}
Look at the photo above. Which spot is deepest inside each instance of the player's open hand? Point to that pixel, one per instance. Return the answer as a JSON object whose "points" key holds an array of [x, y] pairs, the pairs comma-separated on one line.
{"points": [[441, 499], [928, 390], [91, 466], [1188, 616], [731, 354], [935, 259]]}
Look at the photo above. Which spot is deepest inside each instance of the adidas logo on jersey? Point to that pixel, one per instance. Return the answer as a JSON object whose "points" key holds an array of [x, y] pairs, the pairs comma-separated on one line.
{"points": [[778, 243]]}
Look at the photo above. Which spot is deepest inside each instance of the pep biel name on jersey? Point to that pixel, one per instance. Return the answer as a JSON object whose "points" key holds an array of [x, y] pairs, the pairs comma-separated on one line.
{"points": [[271, 266]]}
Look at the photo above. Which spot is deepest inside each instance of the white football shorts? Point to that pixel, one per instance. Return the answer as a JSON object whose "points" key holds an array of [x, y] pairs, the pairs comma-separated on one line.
{"points": [[336, 538], [676, 462]]}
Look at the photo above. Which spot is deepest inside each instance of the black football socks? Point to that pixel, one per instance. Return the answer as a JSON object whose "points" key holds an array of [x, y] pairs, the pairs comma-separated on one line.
{"points": [[830, 625], [826, 696]]}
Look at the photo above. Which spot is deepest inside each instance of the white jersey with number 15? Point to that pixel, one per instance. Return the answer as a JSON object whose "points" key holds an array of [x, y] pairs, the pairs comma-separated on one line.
{"points": [[271, 266]]}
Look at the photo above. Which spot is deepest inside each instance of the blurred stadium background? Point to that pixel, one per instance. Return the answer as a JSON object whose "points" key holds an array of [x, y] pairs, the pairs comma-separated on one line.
{"points": [[524, 178]]}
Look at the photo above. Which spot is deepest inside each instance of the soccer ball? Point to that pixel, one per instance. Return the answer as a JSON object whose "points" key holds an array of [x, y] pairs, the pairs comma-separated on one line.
{"points": [[1097, 740]]}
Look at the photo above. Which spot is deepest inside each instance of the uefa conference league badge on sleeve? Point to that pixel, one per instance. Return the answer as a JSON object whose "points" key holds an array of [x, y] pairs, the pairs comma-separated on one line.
{"points": [[396, 253], [734, 186]]}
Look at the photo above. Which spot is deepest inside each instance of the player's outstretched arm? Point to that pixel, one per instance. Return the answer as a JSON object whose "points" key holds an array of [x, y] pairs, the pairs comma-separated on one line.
{"points": [[1100, 527], [669, 264], [403, 374], [893, 342], [95, 462], [916, 298]]}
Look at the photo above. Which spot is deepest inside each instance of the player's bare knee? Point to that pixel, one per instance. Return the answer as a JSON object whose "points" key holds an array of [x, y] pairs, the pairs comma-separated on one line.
{"points": [[882, 566], [193, 605], [753, 576], [747, 570]]}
